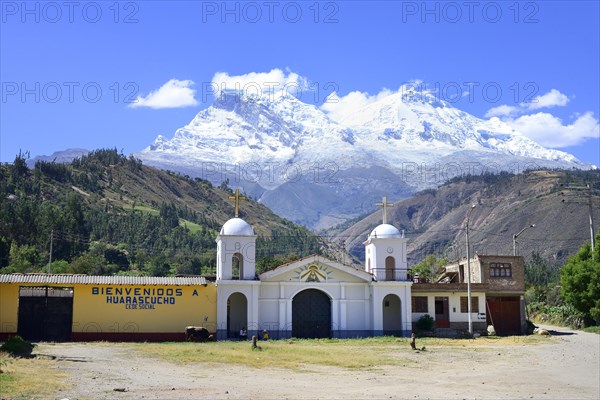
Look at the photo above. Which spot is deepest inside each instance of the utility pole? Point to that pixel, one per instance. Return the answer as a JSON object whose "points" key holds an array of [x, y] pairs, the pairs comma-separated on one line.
{"points": [[470, 319], [590, 191], [51, 243], [517, 235], [589, 186]]}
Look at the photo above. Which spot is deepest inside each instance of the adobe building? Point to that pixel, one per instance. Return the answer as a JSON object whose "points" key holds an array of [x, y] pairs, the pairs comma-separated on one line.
{"points": [[113, 308], [497, 296]]}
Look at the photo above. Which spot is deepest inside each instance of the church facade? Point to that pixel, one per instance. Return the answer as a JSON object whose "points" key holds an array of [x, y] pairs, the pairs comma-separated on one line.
{"points": [[313, 297]]}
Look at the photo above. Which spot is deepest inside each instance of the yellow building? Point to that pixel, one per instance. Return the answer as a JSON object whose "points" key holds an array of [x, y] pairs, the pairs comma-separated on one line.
{"points": [[116, 308]]}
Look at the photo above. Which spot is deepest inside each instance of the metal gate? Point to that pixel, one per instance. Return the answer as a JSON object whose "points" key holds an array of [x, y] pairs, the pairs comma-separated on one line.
{"points": [[504, 313], [311, 315], [45, 313]]}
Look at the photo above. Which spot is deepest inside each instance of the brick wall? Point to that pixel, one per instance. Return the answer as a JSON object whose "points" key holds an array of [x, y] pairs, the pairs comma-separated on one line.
{"points": [[514, 283]]}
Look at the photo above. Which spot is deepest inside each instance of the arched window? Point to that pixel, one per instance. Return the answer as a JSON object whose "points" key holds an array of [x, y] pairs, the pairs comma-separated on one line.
{"points": [[390, 268], [237, 266]]}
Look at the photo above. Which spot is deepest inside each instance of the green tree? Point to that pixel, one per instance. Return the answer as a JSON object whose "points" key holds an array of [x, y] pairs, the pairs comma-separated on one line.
{"points": [[580, 280], [22, 259], [88, 263], [430, 267]]}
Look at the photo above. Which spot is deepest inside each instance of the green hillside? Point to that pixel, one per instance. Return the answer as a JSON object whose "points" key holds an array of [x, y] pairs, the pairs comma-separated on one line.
{"points": [[108, 214]]}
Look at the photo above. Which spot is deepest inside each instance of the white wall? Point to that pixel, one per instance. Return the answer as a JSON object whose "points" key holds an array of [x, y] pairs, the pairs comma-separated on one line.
{"points": [[453, 306], [350, 303], [250, 289]]}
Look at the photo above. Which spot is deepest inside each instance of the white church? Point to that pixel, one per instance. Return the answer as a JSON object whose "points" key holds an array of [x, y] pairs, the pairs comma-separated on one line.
{"points": [[313, 297]]}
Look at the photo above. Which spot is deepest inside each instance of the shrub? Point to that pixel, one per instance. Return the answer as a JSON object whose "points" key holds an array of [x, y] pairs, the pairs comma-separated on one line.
{"points": [[17, 346], [425, 323], [563, 315]]}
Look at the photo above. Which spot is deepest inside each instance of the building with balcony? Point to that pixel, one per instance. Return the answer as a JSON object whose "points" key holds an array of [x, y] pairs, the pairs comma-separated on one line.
{"points": [[497, 295]]}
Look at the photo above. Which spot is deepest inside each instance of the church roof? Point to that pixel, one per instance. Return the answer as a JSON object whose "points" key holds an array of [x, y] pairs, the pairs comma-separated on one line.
{"points": [[385, 231], [237, 227]]}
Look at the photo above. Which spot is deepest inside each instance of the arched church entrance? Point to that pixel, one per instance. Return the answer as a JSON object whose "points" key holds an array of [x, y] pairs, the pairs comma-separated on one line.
{"points": [[311, 315], [392, 316], [237, 314]]}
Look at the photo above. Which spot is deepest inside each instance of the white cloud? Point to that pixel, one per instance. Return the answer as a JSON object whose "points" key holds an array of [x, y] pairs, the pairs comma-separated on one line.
{"points": [[273, 82], [549, 130], [502, 111], [173, 94], [551, 99], [338, 108], [545, 128]]}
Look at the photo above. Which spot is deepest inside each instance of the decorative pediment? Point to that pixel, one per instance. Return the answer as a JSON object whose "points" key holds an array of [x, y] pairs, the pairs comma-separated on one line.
{"points": [[315, 269]]}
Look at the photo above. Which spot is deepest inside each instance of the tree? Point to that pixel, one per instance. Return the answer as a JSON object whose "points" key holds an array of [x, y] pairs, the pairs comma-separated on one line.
{"points": [[580, 280], [429, 268], [23, 259], [541, 280]]}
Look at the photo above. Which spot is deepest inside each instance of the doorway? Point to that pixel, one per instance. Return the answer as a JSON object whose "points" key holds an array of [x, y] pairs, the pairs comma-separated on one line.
{"points": [[392, 315], [45, 313], [311, 315], [442, 312], [237, 314]]}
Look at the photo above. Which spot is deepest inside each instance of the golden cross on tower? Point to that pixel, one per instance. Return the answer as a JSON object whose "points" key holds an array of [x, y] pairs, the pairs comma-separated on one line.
{"points": [[385, 205], [237, 197]]}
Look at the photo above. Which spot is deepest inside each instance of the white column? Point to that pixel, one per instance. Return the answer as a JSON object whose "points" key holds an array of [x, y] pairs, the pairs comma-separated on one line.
{"points": [[343, 315], [335, 315], [368, 324], [407, 318], [282, 316], [343, 308], [254, 291], [288, 314]]}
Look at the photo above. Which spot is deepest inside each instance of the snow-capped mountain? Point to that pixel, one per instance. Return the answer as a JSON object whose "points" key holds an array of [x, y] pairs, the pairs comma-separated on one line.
{"points": [[418, 120], [318, 172]]}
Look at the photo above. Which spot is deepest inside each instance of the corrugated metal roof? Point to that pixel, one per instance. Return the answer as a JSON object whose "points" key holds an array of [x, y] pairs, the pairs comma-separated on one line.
{"points": [[102, 280]]}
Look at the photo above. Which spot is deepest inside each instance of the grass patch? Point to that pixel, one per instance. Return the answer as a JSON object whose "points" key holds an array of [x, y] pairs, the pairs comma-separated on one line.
{"points": [[192, 226], [299, 354], [292, 354], [592, 329], [33, 378], [147, 209]]}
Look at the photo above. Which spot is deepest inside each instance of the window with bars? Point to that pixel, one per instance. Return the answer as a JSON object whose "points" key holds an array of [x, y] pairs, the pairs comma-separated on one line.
{"points": [[500, 270], [419, 304], [474, 304]]}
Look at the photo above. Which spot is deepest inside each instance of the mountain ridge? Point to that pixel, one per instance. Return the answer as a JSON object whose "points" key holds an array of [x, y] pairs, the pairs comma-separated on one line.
{"points": [[317, 171], [434, 219], [144, 215]]}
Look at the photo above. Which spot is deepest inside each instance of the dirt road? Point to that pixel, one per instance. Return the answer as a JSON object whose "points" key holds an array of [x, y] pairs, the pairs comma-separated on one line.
{"points": [[566, 368]]}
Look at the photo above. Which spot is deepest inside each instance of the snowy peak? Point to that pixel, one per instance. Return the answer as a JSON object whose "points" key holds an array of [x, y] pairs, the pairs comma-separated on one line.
{"points": [[345, 155], [412, 118], [238, 129], [280, 127]]}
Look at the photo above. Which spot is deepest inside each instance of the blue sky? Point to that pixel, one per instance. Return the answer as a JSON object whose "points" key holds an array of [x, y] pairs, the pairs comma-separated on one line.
{"points": [[69, 70]]}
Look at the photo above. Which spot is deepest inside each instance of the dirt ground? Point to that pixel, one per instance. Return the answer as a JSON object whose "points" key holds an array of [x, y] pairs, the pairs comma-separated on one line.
{"points": [[566, 368]]}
